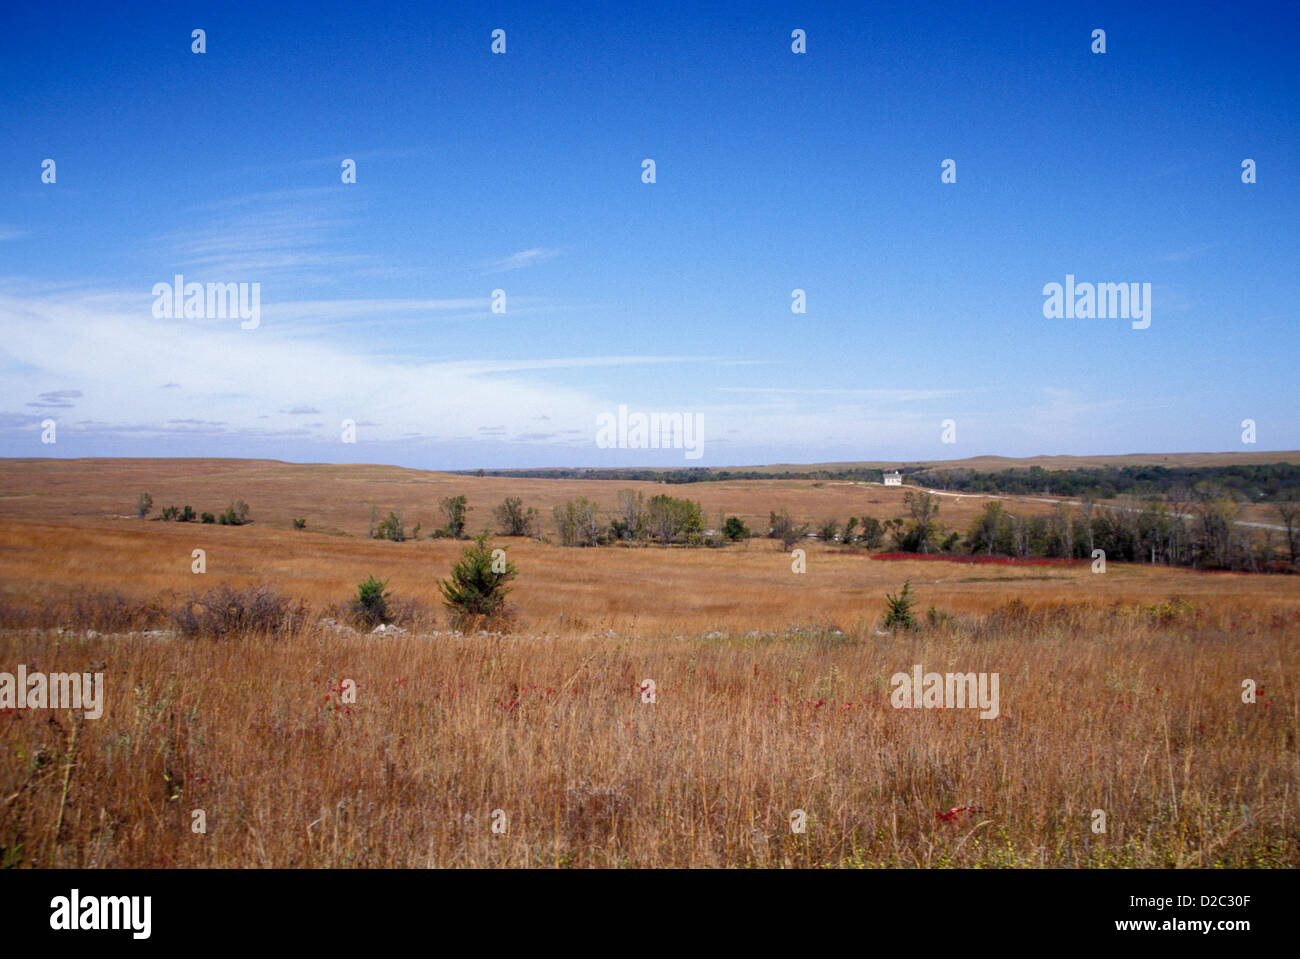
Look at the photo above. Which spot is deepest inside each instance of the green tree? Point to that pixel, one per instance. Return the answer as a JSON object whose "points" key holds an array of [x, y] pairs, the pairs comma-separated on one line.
{"points": [[513, 519], [371, 604], [476, 590], [672, 520], [456, 511], [923, 531], [898, 614], [734, 528], [577, 523], [990, 532], [850, 531], [392, 528], [143, 503], [873, 533]]}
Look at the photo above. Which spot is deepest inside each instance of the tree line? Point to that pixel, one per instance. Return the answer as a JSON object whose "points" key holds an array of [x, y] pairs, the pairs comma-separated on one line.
{"points": [[1200, 528], [1257, 482]]}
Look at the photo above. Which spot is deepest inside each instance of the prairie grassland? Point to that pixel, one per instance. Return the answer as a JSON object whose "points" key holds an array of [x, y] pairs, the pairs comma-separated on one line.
{"points": [[338, 499], [1134, 712], [1119, 692], [650, 591]]}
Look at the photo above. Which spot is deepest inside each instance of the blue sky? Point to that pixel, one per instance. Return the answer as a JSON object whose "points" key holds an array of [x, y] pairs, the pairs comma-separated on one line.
{"points": [[522, 172]]}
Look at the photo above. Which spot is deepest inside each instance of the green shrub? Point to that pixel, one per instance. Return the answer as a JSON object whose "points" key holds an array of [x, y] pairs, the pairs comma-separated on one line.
{"points": [[476, 590], [169, 513], [734, 528], [208, 518], [370, 608], [188, 515], [300, 523], [392, 528], [899, 614]]}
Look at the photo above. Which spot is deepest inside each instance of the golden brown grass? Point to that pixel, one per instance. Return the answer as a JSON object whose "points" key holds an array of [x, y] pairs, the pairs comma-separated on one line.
{"points": [[1100, 710], [1112, 698], [337, 500]]}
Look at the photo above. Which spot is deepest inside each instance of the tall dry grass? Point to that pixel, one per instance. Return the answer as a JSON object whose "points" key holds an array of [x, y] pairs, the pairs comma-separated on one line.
{"points": [[1134, 709]]}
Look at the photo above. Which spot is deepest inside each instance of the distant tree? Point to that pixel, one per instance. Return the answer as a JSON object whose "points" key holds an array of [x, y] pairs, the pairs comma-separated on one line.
{"points": [[990, 532], [1060, 532], [631, 516], [782, 527], [208, 518], [393, 527], [513, 519], [169, 513], [456, 511], [143, 503], [236, 514], [873, 534], [1213, 528], [188, 515], [850, 530], [830, 529], [735, 529], [672, 520], [1289, 513], [577, 523], [924, 529], [301, 523], [1087, 505]]}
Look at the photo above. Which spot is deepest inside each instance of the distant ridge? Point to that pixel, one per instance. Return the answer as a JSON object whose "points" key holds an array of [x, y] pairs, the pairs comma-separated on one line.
{"points": [[984, 463]]}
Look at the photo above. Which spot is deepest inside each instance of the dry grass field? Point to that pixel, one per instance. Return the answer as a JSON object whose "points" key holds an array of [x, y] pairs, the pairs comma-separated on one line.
{"points": [[1120, 692]]}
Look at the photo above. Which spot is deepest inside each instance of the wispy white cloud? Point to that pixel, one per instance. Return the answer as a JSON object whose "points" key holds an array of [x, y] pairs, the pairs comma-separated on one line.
{"points": [[521, 259], [262, 382], [260, 237]]}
